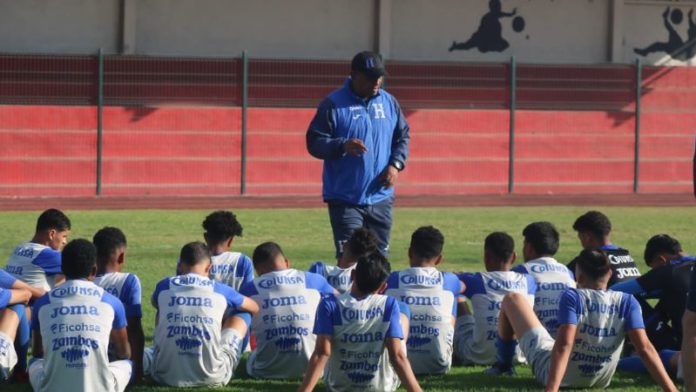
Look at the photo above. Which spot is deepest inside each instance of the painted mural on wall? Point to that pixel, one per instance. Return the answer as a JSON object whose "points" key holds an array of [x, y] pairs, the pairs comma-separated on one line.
{"points": [[676, 47], [489, 35]]}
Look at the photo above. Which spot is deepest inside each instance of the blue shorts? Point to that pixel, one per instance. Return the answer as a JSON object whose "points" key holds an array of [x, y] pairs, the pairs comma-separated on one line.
{"points": [[345, 218]]}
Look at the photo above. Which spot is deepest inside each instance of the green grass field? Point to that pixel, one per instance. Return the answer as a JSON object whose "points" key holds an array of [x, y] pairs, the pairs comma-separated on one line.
{"points": [[156, 236]]}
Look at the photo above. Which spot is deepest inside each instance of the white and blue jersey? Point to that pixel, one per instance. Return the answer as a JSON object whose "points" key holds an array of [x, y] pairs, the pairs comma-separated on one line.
{"points": [[188, 349], [602, 318], [552, 279], [283, 327], [338, 278], [486, 291], [35, 264], [231, 268], [125, 287], [358, 329], [75, 321], [431, 298]]}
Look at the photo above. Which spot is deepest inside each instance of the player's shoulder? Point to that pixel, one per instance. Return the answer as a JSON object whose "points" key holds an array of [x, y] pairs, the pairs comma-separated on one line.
{"points": [[317, 267]]}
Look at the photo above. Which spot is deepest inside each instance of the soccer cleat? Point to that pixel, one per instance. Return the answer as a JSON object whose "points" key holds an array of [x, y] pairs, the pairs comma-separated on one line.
{"points": [[500, 370]]}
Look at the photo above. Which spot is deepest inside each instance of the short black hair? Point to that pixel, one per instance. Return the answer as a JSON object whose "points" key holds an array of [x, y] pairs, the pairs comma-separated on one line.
{"points": [[221, 225], [52, 219], [362, 241], [107, 241], [78, 259], [543, 237], [266, 253], [593, 263], [661, 243], [501, 245], [371, 271], [593, 222], [427, 242], [194, 253]]}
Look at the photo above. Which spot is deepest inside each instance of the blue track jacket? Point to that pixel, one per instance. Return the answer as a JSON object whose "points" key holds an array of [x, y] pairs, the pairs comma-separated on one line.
{"points": [[379, 123]]}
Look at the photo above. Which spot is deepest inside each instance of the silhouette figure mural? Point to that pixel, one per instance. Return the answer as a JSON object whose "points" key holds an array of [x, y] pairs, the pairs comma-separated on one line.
{"points": [[489, 36], [675, 46]]}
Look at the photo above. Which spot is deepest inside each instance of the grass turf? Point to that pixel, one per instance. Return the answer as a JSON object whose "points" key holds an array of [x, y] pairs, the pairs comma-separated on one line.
{"points": [[155, 238]]}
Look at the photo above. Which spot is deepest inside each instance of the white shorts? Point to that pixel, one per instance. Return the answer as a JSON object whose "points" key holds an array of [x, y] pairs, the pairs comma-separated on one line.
{"points": [[463, 337], [120, 370], [537, 345], [8, 356]]}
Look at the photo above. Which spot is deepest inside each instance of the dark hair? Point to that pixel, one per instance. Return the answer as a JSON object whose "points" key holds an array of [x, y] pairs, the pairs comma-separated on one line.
{"points": [[593, 263], [78, 259], [194, 253], [266, 253], [52, 219], [661, 243], [501, 245], [593, 222], [107, 241], [427, 242], [371, 271], [221, 225], [361, 241], [543, 237]]}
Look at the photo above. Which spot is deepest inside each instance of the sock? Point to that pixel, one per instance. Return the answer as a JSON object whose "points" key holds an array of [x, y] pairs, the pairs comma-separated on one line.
{"points": [[23, 337], [247, 319], [632, 364], [505, 351], [666, 357]]}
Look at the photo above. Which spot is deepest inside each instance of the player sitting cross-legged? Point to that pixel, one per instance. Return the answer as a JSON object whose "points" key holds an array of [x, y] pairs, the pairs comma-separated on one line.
{"points": [[73, 326], [592, 324], [359, 336], [197, 340], [283, 327], [431, 297], [475, 334], [13, 319]]}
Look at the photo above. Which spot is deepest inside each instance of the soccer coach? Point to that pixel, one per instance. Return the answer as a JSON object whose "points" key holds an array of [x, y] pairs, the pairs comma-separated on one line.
{"points": [[362, 136]]}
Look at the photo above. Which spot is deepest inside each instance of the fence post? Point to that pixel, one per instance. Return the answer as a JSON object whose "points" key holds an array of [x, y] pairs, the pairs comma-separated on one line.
{"points": [[100, 106], [513, 107], [245, 104], [636, 159]]}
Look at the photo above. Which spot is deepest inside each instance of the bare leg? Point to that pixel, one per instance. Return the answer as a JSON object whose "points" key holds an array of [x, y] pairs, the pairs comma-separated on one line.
{"points": [[237, 323], [516, 317], [9, 321], [689, 350]]}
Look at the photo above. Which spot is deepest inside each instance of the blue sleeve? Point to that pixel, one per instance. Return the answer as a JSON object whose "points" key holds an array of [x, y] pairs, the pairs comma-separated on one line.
{"points": [[119, 311], [631, 313], [234, 299], [400, 139], [248, 289], [474, 284], [49, 261], [317, 268], [161, 286], [392, 315], [6, 280], [35, 311], [520, 269], [327, 316], [319, 283], [321, 142], [569, 307], [393, 281], [247, 270], [531, 285], [404, 309], [452, 283], [5, 297], [131, 296], [628, 286]]}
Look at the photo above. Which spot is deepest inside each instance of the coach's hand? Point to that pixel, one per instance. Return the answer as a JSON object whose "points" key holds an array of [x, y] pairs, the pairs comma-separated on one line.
{"points": [[389, 176], [354, 147]]}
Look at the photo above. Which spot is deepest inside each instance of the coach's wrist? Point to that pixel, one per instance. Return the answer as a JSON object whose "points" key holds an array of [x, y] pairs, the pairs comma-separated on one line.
{"points": [[398, 165]]}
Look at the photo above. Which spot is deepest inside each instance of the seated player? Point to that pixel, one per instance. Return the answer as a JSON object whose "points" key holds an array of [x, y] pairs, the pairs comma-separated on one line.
{"points": [[361, 242], [475, 335], [689, 338], [111, 255], [359, 336], [283, 328], [73, 326], [552, 278], [668, 280], [37, 262], [198, 342], [13, 322], [230, 268], [431, 297], [593, 322]]}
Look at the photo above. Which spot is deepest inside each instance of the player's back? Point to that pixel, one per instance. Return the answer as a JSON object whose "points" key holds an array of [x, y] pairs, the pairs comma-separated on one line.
{"points": [[431, 298], [283, 327], [232, 269], [34, 264], [75, 320], [124, 286], [339, 278], [187, 337], [552, 279]]}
